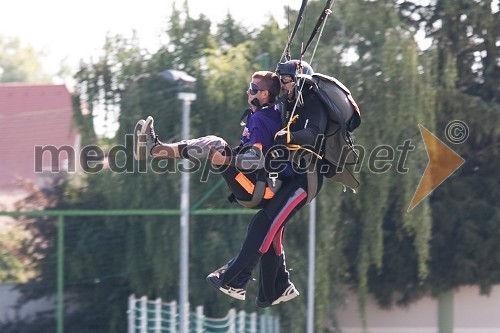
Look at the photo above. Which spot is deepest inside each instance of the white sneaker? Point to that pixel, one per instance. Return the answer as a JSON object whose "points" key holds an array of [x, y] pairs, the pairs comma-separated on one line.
{"points": [[215, 281], [149, 131], [139, 141], [145, 138], [289, 294]]}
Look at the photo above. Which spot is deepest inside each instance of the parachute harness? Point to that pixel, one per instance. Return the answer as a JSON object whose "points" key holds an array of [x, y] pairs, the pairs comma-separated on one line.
{"points": [[293, 146]]}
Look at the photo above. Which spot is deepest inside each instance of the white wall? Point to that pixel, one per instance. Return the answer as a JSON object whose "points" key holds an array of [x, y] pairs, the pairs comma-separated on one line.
{"points": [[8, 299], [420, 317], [473, 313]]}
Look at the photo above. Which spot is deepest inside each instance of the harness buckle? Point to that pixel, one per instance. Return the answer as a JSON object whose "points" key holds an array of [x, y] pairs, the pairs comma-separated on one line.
{"points": [[273, 176]]}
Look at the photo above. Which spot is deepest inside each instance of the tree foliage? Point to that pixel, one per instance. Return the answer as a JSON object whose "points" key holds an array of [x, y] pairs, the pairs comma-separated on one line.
{"points": [[19, 63], [12, 269], [467, 82]]}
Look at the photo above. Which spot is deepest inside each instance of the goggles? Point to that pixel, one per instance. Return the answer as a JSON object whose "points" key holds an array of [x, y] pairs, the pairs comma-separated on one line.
{"points": [[253, 89], [286, 79]]}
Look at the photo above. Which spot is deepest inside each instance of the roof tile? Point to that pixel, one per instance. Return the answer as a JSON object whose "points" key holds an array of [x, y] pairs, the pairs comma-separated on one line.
{"points": [[31, 115]]}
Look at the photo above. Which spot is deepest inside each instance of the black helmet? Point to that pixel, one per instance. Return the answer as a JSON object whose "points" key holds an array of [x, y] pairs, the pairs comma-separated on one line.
{"points": [[294, 67]]}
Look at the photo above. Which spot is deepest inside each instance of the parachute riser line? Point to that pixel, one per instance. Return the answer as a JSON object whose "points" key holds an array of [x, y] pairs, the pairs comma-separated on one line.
{"points": [[286, 53], [321, 21]]}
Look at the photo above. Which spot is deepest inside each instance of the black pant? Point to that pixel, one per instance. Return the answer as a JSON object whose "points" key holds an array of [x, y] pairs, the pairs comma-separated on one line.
{"points": [[263, 240]]}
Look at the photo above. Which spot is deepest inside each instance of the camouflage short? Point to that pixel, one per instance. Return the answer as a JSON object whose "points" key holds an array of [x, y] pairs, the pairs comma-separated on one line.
{"points": [[200, 147]]}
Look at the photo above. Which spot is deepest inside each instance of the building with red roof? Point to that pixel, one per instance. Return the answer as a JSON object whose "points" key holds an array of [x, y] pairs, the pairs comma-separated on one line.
{"points": [[31, 116]]}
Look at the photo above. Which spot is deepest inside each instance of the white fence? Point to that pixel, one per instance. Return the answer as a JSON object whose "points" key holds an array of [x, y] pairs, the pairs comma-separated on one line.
{"points": [[148, 316]]}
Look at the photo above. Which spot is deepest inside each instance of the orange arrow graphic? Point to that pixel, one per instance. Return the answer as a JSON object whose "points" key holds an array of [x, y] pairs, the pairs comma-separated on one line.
{"points": [[443, 161]]}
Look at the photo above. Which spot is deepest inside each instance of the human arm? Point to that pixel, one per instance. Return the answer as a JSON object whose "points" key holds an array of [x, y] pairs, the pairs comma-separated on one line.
{"points": [[313, 118], [248, 158]]}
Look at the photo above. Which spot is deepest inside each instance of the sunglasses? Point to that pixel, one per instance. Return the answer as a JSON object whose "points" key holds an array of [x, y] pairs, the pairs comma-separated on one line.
{"points": [[285, 79], [253, 89]]}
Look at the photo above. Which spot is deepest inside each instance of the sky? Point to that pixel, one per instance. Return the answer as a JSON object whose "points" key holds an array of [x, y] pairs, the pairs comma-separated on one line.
{"points": [[70, 30]]}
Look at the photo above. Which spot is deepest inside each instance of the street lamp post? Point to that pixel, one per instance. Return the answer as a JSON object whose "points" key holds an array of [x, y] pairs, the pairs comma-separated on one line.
{"points": [[312, 267], [186, 84]]}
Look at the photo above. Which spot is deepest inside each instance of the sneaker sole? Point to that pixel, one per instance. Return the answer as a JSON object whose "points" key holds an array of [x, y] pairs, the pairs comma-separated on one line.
{"points": [[149, 121], [139, 141], [289, 294], [141, 149], [229, 291]]}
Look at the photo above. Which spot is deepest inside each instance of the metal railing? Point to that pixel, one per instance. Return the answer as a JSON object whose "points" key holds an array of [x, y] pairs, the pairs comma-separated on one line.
{"points": [[155, 316]]}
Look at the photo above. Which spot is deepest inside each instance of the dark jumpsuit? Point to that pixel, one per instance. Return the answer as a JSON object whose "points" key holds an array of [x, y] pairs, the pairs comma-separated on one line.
{"points": [[264, 236]]}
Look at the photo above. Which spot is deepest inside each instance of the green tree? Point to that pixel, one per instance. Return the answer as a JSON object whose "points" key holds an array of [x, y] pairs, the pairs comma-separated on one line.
{"points": [[20, 63], [12, 265], [465, 233], [100, 82], [189, 38], [230, 33]]}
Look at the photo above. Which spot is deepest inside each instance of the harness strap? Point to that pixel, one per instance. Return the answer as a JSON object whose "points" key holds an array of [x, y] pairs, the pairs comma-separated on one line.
{"points": [[293, 146], [312, 185], [259, 190], [257, 196], [312, 173], [250, 187], [312, 180]]}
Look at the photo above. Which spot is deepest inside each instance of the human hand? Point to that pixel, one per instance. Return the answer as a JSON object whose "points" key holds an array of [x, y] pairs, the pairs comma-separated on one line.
{"points": [[280, 139]]}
